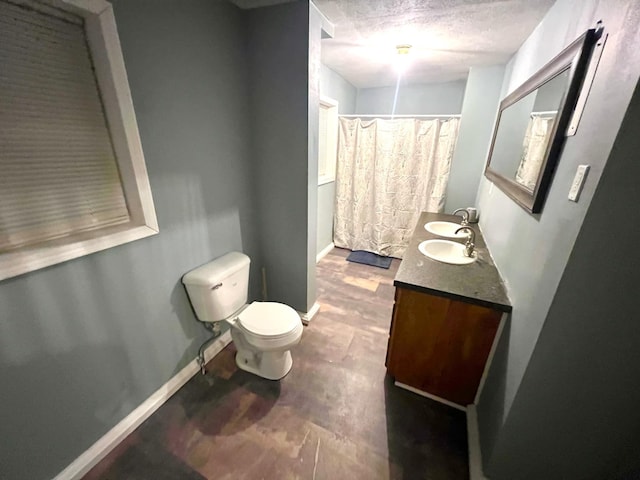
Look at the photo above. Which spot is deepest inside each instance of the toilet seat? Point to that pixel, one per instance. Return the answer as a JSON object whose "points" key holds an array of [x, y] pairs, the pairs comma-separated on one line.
{"points": [[269, 320]]}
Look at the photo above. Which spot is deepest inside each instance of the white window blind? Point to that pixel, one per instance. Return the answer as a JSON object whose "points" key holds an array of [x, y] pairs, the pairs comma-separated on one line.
{"points": [[58, 173]]}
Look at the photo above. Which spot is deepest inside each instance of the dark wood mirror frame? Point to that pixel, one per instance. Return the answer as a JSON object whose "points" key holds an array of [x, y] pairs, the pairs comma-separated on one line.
{"points": [[575, 58]]}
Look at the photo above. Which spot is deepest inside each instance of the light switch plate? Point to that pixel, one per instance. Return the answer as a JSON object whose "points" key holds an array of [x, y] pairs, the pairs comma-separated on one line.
{"points": [[578, 182]]}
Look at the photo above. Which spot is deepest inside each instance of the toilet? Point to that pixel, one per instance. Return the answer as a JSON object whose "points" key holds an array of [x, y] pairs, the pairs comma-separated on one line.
{"points": [[263, 332]]}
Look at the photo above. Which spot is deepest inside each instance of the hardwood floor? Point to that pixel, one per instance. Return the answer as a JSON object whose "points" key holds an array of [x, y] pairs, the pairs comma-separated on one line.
{"points": [[336, 415]]}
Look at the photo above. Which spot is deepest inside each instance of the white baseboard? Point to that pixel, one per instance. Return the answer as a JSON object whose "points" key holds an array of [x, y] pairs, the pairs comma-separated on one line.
{"points": [[85, 462], [307, 316], [324, 252], [473, 440], [430, 396]]}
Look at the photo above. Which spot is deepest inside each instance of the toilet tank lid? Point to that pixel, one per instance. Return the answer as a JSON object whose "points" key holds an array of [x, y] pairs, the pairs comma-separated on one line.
{"points": [[217, 270]]}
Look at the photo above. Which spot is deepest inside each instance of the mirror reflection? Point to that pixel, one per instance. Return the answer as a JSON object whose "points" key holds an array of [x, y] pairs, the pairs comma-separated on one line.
{"points": [[525, 130], [532, 126]]}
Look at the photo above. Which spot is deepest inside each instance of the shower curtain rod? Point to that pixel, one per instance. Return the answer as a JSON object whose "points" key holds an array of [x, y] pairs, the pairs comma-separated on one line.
{"points": [[401, 116]]}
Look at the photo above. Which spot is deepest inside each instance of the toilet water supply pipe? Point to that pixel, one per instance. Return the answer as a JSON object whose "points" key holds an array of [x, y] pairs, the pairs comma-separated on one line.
{"points": [[212, 327], [217, 331]]}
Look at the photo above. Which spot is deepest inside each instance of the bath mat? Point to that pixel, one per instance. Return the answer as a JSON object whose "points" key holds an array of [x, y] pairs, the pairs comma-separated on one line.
{"points": [[368, 258]]}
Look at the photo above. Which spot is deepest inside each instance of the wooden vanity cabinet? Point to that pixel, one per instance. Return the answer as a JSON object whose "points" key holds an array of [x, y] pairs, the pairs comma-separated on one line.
{"points": [[439, 345]]}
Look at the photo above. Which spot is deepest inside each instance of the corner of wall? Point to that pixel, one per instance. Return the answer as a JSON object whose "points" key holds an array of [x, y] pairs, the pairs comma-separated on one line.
{"points": [[514, 398], [479, 107]]}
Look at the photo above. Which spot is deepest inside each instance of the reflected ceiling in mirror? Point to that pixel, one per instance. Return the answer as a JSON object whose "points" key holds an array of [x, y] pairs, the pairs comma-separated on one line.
{"points": [[531, 126]]}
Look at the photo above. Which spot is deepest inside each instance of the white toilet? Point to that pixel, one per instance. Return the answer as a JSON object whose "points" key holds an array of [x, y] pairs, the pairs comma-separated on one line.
{"points": [[263, 332]]}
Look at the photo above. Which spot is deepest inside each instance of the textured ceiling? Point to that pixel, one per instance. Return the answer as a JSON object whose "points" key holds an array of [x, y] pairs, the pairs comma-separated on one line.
{"points": [[447, 36]]}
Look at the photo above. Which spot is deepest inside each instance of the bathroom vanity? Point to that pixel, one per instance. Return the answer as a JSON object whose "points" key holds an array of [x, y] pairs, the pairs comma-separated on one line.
{"points": [[445, 319]]}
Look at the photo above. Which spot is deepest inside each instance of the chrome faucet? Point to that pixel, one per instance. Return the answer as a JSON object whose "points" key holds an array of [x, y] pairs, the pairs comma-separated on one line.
{"points": [[465, 216], [469, 245]]}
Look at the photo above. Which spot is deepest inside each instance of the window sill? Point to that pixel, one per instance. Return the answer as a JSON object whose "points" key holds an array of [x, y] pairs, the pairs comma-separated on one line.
{"points": [[42, 255], [325, 179], [104, 45]]}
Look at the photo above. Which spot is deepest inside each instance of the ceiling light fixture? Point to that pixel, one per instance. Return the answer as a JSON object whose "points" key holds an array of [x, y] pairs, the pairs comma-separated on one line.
{"points": [[403, 49], [402, 57]]}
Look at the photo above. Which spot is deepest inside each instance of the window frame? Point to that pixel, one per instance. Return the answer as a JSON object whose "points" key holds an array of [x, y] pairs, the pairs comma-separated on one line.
{"points": [[331, 141], [111, 76]]}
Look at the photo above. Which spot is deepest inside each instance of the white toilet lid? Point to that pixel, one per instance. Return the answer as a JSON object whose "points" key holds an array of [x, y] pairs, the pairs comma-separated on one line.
{"points": [[269, 319]]}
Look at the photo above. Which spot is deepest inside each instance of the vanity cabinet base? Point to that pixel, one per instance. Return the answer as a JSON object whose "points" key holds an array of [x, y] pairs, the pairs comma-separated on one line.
{"points": [[439, 345]]}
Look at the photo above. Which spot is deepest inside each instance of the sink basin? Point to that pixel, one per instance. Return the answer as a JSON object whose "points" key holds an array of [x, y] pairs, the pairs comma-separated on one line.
{"points": [[446, 251], [445, 229]]}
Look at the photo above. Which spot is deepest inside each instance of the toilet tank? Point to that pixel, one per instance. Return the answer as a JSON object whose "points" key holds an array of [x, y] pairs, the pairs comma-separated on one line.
{"points": [[219, 288]]}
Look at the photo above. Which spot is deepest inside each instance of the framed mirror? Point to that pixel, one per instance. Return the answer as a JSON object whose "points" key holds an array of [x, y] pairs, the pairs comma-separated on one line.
{"points": [[532, 124]]}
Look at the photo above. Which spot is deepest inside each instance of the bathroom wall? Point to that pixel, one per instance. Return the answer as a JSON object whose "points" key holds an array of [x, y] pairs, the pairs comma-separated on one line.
{"points": [[577, 405], [532, 251], [479, 110], [85, 342], [278, 52], [513, 129], [548, 96], [424, 99], [334, 86]]}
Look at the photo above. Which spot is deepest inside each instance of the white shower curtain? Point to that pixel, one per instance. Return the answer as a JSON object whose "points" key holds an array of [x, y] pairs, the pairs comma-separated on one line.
{"points": [[534, 148], [388, 172]]}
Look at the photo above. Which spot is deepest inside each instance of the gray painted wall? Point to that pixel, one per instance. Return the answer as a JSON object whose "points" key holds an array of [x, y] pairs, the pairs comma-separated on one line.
{"points": [[549, 95], [577, 406], [507, 150], [334, 86], [532, 251], [278, 40], [426, 99], [479, 110], [85, 342]]}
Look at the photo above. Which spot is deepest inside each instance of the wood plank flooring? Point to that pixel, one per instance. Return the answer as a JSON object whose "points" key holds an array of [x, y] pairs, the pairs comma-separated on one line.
{"points": [[336, 415]]}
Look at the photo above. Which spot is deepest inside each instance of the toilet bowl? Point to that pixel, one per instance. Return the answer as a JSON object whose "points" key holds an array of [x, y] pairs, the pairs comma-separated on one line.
{"points": [[263, 332]]}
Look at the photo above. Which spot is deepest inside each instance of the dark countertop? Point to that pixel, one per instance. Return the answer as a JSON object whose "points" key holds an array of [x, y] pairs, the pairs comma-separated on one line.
{"points": [[478, 283]]}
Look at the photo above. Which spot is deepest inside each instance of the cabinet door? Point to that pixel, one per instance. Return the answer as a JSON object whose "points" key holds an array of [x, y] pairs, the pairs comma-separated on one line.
{"points": [[440, 345]]}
